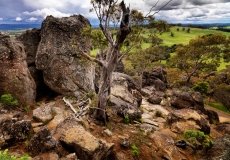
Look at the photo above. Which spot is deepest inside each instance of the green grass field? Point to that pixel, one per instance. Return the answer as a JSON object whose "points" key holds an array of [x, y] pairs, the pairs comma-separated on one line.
{"points": [[182, 37]]}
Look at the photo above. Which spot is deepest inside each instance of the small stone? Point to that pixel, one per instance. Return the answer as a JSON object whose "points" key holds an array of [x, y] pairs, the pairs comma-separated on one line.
{"points": [[108, 132], [125, 143]]}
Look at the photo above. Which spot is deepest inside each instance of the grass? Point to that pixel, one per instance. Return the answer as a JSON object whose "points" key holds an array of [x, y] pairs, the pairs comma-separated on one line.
{"points": [[219, 106], [182, 37]]}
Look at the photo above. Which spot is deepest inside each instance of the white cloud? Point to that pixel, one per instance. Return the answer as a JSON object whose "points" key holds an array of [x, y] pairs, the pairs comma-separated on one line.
{"points": [[18, 19], [32, 19], [46, 12], [1, 19]]}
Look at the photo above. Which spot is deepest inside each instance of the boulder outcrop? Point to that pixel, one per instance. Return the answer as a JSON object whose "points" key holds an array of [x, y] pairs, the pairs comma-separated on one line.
{"points": [[15, 77], [30, 39], [187, 119], [65, 71], [156, 77], [42, 142], [13, 130], [75, 138], [125, 96]]}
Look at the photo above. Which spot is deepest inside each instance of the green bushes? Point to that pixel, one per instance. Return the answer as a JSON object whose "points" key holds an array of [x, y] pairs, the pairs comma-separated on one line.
{"points": [[5, 156], [8, 100], [135, 150], [198, 138], [201, 87]]}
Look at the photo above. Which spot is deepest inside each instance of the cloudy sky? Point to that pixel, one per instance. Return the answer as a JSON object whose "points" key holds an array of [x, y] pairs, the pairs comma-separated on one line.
{"points": [[177, 11]]}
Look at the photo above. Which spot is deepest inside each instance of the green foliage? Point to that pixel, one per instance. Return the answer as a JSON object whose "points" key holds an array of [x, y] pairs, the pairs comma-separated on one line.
{"points": [[135, 150], [126, 120], [5, 156], [201, 54], [195, 137], [201, 87], [8, 100]]}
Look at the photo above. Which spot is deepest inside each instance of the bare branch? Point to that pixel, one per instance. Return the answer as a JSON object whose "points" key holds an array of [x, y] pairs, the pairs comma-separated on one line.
{"points": [[159, 9], [85, 55]]}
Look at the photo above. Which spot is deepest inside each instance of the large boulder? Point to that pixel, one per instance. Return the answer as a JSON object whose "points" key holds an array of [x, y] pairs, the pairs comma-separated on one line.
{"points": [[125, 96], [184, 99], [74, 137], [30, 39], [42, 142], [13, 130], [192, 100], [187, 119], [157, 77], [220, 149], [15, 77], [64, 70], [165, 147]]}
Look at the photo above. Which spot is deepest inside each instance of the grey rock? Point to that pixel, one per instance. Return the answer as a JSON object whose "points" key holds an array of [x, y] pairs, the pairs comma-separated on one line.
{"points": [[125, 96], [42, 142], [30, 39], [65, 71], [43, 113], [15, 77], [13, 130], [72, 135], [187, 119]]}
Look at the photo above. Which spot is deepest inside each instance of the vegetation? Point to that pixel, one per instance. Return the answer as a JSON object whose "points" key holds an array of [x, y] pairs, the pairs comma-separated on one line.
{"points": [[198, 138], [8, 100], [202, 53], [135, 150], [201, 87], [110, 12], [4, 155]]}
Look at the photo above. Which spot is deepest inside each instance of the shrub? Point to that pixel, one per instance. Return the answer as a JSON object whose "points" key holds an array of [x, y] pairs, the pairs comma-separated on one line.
{"points": [[5, 156], [135, 150], [195, 137], [8, 100], [126, 120], [201, 87]]}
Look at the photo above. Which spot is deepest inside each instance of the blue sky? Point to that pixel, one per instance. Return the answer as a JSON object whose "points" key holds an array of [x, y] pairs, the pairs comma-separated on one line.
{"points": [[177, 11]]}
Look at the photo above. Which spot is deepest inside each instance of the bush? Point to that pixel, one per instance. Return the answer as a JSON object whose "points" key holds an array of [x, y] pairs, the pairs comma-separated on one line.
{"points": [[198, 137], [201, 87], [8, 100], [5, 156], [135, 150]]}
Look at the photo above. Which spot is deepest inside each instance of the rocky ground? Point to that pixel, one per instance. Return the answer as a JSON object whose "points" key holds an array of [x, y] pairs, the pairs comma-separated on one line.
{"points": [[53, 135]]}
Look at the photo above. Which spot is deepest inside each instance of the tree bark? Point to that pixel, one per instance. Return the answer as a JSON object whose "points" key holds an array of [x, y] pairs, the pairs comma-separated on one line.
{"points": [[111, 62]]}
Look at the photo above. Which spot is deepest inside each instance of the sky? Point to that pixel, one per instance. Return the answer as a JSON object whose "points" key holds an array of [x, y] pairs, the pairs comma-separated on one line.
{"points": [[177, 11]]}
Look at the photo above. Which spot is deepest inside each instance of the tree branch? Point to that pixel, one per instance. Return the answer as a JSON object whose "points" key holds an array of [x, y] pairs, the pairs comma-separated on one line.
{"points": [[159, 9], [85, 55]]}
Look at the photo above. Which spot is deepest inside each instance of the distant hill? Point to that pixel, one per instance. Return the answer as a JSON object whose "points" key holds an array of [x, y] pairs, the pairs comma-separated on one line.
{"points": [[7, 27]]}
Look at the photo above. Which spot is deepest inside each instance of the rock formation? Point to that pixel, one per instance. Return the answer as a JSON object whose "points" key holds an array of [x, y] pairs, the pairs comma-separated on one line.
{"points": [[30, 39], [187, 119], [64, 71], [125, 96], [156, 77], [15, 77]]}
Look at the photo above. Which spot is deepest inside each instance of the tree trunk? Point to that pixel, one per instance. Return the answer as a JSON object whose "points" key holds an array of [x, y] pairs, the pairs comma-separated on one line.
{"points": [[105, 84], [110, 64]]}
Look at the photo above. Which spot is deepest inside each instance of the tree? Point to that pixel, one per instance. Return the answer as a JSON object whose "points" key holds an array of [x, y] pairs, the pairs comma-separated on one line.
{"points": [[109, 11], [202, 53]]}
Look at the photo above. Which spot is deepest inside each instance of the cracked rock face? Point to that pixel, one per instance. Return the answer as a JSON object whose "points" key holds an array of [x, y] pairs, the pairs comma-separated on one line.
{"points": [[65, 71], [125, 96], [13, 129], [15, 77]]}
